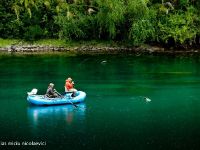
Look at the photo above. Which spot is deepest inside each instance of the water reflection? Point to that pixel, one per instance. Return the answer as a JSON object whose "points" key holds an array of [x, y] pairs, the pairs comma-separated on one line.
{"points": [[67, 114]]}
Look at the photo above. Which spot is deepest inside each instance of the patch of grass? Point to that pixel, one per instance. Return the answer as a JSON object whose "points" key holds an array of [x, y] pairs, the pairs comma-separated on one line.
{"points": [[8, 42], [45, 42], [95, 43], [57, 42], [50, 42]]}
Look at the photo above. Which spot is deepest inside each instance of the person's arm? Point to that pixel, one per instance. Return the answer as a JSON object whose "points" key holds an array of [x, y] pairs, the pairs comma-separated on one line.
{"points": [[47, 92]]}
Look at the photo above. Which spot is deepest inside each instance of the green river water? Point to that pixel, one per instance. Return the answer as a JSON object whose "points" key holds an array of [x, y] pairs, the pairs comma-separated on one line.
{"points": [[115, 114]]}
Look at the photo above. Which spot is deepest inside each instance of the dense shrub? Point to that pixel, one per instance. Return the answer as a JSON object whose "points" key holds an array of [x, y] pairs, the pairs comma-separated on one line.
{"points": [[9, 26], [33, 33], [143, 29], [179, 26], [75, 28]]}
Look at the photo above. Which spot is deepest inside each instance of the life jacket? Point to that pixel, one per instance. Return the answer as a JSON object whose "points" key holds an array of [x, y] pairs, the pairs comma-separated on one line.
{"points": [[68, 85]]}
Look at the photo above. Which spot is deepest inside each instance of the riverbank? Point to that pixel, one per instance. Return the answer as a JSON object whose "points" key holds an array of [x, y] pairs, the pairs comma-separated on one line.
{"points": [[86, 47]]}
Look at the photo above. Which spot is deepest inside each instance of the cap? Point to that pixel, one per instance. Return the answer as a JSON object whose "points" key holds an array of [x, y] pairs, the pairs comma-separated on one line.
{"points": [[51, 84]]}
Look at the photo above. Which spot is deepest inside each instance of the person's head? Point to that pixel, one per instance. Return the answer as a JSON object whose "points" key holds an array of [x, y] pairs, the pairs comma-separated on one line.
{"points": [[51, 84], [69, 79]]}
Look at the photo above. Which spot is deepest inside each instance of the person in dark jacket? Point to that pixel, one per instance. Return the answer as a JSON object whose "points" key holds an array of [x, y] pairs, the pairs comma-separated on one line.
{"points": [[51, 92]]}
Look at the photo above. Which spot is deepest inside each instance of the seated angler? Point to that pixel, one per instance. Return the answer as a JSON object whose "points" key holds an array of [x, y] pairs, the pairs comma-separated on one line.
{"points": [[51, 92], [69, 87]]}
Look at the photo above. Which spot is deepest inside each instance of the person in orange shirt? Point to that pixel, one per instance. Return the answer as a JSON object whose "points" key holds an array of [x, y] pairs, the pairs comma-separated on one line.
{"points": [[69, 86]]}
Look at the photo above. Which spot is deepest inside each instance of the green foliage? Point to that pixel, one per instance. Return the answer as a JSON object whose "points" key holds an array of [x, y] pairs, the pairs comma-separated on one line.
{"points": [[139, 21], [33, 33], [73, 21], [136, 8], [143, 29], [9, 27], [7, 42], [142, 21], [70, 28], [179, 26], [110, 15], [183, 2], [21, 5], [36, 17]]}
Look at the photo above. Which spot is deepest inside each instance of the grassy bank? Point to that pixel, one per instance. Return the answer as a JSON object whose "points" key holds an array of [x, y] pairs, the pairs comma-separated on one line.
{"points": [[53, 42], [57, 42]]}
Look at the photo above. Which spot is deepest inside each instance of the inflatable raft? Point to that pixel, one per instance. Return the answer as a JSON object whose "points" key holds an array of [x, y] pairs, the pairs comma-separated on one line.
{"points": [[65, 99]]}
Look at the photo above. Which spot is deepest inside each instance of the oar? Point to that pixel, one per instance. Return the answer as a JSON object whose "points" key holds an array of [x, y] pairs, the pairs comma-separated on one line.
{"points": [[68, 99]]}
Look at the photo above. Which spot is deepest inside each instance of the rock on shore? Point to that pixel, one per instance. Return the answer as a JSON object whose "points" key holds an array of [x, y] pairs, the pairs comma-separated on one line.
{"points": [[94, 49]]}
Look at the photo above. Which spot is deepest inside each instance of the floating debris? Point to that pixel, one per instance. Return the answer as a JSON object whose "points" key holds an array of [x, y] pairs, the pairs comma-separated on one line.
{"points": [[147, 99], [103, 62], [141, 98]]}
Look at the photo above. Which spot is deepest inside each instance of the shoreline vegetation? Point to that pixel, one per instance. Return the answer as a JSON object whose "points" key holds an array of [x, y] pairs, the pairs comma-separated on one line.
{"points": [[165, 25], [86, 47]]}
